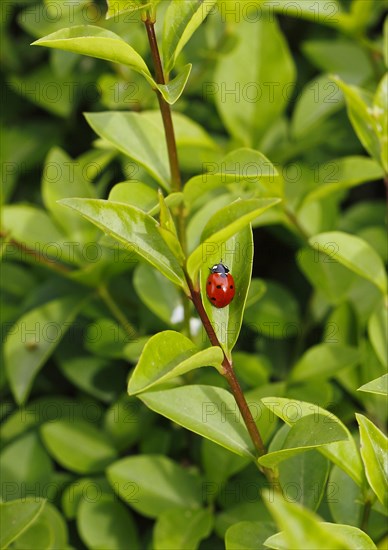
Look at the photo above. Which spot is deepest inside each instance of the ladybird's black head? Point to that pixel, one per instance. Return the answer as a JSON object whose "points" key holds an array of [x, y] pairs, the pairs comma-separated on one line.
{"points": [[220, 268]]}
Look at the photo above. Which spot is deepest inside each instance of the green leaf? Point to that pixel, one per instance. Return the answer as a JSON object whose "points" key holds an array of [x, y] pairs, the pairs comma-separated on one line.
{"points": [[106, 523], [167, 355], [326, 275], [252, 84], [134, 193], [342, 453], [16, 516], [32, 340], [363, 117], [153, 484], [176, 529], [237, 252], [34, 228], [327, 12], [338, 175], [320, 98], [181, 20], [303, 478], [135, 229], [62, 178], [206, 410], [309, 432], [240, 164], [48, 531], [323, 361], [353, 253], [118, 7], [304, 530], [275, 314], [219, 464], [343, 56], [97, 42], [78, 445], [378, 332], [374, 447], [248, 535], [137, 137], [378, 386], [173, 90], [79, 490], [223, 225], [158, 294]]}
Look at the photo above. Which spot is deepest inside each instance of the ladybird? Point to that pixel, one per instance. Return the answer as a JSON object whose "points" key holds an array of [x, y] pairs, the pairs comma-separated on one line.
{"points": [[220, 286]]}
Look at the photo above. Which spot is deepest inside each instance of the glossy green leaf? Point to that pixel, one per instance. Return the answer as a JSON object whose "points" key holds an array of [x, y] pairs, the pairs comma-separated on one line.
{"points": [[158, 294], [135, 229], [173, 90], [343, 56], [97, 42], [78, 445], [93, 375], [248, 535], [137, 137], [124, 421], [353, 253], [16, 516], [304, 530], [219, 464], [33, 227], [62, 178], [324, 360], [119, 7], [340, 174], [167, 355], [342, 453], [134, 193], [238, 165], [223, 225], [309, 432], [363, 117], [319, 99], [303, 478], [275, 314], [180, 22], [253, 83], [177, 529], [32, 340], [153, 484], [206, 410], [327, 12], [82, 489], [237, 253], [374, 448], [378, 332], [48, 531], [378, 386], [326, 275], [106, 523]]}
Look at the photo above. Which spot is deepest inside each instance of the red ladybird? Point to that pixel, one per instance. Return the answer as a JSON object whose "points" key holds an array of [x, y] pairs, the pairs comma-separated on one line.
{"points": [[220, 286]]}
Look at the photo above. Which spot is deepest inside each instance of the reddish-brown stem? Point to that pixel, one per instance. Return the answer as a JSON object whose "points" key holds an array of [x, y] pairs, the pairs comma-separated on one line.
{"points": [[228, 373], [165, 109]]}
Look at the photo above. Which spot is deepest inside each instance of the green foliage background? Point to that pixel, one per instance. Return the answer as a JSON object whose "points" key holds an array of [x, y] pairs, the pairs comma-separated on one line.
{"points": [[285, 108]]}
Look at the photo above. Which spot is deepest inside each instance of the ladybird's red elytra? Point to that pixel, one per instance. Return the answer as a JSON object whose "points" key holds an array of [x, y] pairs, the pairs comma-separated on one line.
{"points": [[220, 288]]}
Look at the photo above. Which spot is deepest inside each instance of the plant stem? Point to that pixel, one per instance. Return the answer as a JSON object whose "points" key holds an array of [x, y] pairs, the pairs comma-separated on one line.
{"points": [[106, 296], [365, 515], [176, 183], [37, 256], [228, 373]]}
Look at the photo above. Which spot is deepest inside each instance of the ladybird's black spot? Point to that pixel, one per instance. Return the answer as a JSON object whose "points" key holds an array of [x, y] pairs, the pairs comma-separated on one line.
{"points": [[218, 286], [231, 286], [209, 283], [214, 299]]}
